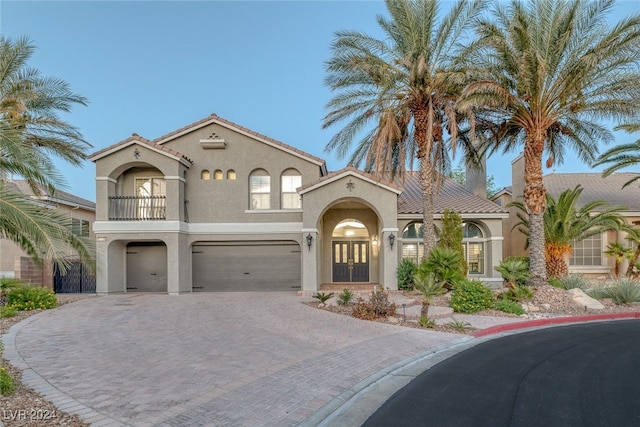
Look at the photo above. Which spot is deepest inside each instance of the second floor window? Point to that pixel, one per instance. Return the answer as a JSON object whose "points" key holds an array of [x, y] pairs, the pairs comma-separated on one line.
{"points": [[290, 198], [260, 190]]}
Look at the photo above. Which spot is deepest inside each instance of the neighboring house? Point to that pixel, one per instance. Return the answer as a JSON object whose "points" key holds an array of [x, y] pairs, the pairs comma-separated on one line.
{"points": [[15, 263], [214, 206], [588, 255]]}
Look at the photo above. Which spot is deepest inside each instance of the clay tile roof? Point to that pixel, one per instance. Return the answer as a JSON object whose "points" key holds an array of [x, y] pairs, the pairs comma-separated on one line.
{"points": [[365, 175], [137, 138], [451, 196], [216, 118], [595, 187]]}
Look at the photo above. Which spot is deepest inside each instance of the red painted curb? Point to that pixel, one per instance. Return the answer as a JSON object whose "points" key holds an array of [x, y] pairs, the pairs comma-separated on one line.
{"points": [[553, 321]]}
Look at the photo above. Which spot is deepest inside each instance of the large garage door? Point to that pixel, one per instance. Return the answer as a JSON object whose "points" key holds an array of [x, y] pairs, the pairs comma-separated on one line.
{"points": [[146, 267], [268, 266]]}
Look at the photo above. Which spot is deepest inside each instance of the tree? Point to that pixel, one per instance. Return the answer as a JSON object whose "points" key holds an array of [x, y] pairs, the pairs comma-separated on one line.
{"points": [[622, 156], [31, 132], [404, 88], [452, 235], [547, 73], [633, 235], [565, 223], [619, 252]]}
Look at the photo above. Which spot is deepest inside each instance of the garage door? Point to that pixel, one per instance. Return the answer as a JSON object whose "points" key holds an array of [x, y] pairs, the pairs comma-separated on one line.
{"points": [[268, 266], [146, 267]]}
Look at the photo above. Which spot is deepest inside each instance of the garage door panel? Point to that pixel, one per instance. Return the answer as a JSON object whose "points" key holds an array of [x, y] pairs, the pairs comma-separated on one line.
{"points": [[246, 267], [147, 268]]}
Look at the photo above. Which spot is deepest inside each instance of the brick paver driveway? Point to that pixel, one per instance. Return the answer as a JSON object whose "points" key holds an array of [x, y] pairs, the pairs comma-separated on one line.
{"points": [[241, 359]]}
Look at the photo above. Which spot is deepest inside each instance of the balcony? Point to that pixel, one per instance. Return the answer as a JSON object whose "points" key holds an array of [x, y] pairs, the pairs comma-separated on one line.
{"points": [[137, 208]]}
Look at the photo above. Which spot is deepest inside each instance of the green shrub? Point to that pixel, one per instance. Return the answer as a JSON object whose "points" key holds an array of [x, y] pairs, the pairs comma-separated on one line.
{"points": [[323, 297], [7, 384], [377, 306], [27, 297], [518, 294], [459, 325], [405, 273], [7, 312], [508, 306], [471, 296], [345, 297], [427, 322], [514, 271], [572, 281], [8, 283], [623, 291], [445, 265], [555, 282]]}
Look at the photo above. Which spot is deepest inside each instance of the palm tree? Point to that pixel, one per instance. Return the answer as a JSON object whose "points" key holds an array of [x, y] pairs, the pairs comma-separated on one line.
{"points": [[565, 223], [622, 156], [31, 132], [548, 72], [633, 235], [403, 87], [619, 252]]}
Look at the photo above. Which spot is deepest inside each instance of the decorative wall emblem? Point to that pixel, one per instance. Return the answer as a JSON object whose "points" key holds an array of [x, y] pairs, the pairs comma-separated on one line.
{"points": [[350, 185]]}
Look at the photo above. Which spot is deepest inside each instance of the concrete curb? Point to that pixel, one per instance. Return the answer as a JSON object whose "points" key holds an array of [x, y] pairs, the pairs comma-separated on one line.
{"points": [[354, 406], [555, 321], [31, 379]]}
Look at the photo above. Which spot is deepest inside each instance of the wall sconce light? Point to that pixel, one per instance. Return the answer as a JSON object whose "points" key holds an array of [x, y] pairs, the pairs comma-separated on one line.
{"points": [[309, 241], [374, 241], [392, 239]]}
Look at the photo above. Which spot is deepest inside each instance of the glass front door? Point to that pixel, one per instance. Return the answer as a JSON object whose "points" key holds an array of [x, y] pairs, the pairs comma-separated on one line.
{"points": [[351, 261]]}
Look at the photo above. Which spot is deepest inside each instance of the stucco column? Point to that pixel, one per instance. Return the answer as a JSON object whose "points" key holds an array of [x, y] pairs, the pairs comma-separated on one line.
{"points": [[389, 258], [110, 265], [178, 264], [310, 268]]}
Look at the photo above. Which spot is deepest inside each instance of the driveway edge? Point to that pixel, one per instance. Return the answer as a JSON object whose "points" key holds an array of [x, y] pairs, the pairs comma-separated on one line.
{"points": [[31, 379]]}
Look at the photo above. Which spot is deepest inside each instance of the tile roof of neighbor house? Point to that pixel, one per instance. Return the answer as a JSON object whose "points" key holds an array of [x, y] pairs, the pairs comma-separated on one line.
{"points": [[365, 175], [137, 138], [217, 119], [451, 196], [595, 187], [58, 197]]}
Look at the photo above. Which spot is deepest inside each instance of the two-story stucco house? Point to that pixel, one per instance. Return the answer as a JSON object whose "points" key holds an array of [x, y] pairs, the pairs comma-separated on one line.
{"points": [[217, 207]]}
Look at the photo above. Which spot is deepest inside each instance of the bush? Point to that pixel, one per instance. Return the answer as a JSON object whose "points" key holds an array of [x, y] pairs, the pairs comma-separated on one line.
{"points": [[7, 385], [518, 294], [471, 296], [7, 312], [427, 322], [405, 273], [514, 271], [345, 297], [27, 297], [572, 281], [508, 306], [445, 266], [623, 291], [377, 306]]}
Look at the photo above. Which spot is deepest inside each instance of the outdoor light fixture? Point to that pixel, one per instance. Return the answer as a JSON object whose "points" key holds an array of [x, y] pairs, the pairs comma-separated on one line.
{"points": [[374, 240], [309, 241], [392, 239]]}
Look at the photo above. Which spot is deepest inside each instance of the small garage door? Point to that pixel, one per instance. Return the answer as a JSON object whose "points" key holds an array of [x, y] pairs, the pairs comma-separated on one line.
{"points": [[268, 266], [146, 267]]}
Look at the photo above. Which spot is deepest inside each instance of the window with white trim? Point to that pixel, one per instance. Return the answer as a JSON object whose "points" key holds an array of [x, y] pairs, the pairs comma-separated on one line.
{"points": [[587, 252], [291, 179], [260, 190]]}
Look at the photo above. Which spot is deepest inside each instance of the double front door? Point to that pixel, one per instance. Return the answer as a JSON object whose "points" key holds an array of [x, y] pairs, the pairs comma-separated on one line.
{"points": [[350, 261]]}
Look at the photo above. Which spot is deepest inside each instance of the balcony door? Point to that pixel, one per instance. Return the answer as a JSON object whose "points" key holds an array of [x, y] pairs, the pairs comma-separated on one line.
{"points": [[150, 195]]}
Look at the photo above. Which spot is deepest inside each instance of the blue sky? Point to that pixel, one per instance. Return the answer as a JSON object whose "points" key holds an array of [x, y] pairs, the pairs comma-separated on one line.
{"points": [[151, 67]]}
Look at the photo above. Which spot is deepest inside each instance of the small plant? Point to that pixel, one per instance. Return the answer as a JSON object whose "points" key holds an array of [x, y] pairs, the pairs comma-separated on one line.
{"points": [[405, 272], [459, 325], [28, 297], [7, 312], [427, 284], [377, 306], [7, 384], [514, 271], [345, 297], [508, 306], [427, 322], [445, 265], [573, 281], [623, 291], [518, 294], [471, 296], [323, 297], [555, 282]]}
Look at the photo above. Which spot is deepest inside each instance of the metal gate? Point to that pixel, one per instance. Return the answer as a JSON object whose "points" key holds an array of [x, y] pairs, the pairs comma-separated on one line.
{"points": [[76, 280]]}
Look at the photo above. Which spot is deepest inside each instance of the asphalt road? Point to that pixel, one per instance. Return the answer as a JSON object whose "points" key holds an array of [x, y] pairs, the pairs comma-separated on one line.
{"points": [[579, 375]]}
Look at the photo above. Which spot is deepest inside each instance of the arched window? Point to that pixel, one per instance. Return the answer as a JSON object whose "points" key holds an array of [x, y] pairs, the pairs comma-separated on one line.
{"points": [[412, 244], [231, 175], [290, 180], [218, 175], [205, 175], [473, 244], [260, 190]]}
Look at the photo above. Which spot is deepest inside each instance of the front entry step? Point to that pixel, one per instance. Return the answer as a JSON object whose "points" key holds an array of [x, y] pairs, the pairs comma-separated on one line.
{"points": [[356, 287]]}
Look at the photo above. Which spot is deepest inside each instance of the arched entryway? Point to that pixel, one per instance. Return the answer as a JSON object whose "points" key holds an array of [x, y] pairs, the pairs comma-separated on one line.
{"points": [[350, 254]]}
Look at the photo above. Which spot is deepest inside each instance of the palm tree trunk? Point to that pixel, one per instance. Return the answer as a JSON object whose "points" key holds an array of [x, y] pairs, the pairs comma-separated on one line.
{"points": [[535, 200], [556, 266], [424, 310], [632, 263], [426, 182]]}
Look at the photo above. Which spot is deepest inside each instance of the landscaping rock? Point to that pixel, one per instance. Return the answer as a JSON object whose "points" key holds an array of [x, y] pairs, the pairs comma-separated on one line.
{"points": [[583, 300], [393, 320]]}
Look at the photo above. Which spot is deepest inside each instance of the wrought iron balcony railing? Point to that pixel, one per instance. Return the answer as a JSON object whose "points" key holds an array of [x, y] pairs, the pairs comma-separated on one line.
{"points": [[137, 208]]}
